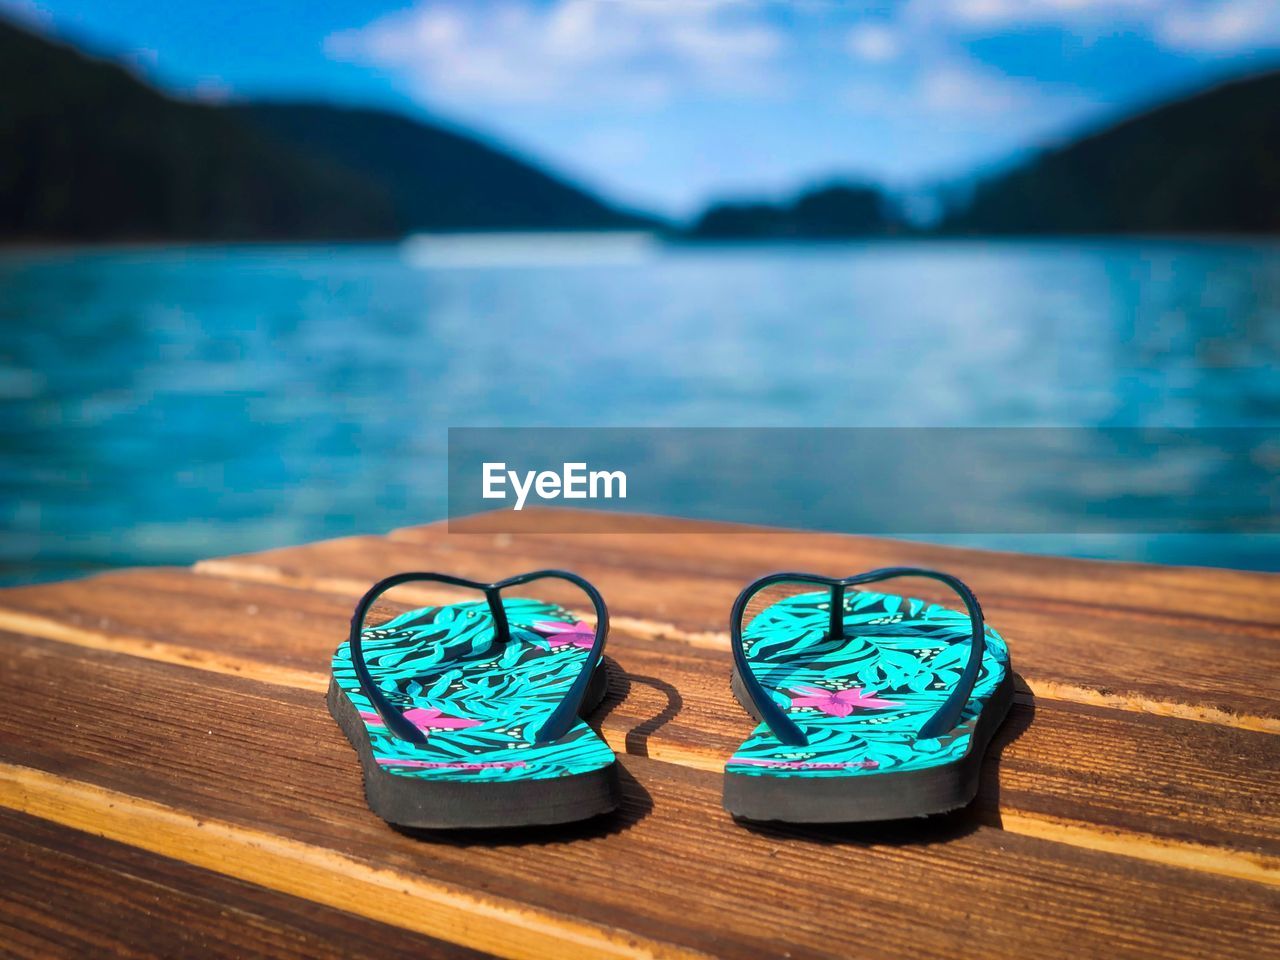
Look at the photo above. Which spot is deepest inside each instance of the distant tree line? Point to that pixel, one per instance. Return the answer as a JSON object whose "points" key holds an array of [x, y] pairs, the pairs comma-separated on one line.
{"points": [[829, 212], [89, 152], [1208, 163]]}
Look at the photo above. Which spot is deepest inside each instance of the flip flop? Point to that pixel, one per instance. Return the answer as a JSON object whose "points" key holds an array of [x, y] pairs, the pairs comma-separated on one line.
{"points": [[872, 706], [468, 714]]}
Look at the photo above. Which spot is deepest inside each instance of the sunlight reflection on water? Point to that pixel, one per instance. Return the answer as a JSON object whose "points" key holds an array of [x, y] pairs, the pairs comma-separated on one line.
{"points": [[162, 405]]}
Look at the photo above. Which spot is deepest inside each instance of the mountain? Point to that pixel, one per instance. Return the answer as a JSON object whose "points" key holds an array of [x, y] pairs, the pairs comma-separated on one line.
{"points": [[89, 152], [1207, 163], [833, 211], [436, 179]]}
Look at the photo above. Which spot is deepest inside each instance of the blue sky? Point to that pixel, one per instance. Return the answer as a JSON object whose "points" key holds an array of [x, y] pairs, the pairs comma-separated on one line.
{"points": [[668, 103]]}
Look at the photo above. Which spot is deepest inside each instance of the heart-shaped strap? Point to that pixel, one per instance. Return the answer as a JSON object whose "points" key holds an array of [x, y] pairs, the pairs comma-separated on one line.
{"points": [[565, 714], [787, 730]]}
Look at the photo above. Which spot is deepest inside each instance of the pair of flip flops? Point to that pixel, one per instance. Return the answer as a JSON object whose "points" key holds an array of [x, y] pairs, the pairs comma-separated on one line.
{"points": [[871, 706]]}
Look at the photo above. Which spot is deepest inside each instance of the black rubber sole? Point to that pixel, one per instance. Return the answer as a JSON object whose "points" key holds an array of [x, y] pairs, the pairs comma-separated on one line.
{"points": [[881, 796], [461, 804]]}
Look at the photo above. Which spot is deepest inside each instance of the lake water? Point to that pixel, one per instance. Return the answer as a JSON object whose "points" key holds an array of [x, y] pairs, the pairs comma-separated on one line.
{"points": [[161, 405]]}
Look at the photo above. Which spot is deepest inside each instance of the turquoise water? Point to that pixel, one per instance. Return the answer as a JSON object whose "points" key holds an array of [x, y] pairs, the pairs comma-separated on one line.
{"points": [[163, 405]]}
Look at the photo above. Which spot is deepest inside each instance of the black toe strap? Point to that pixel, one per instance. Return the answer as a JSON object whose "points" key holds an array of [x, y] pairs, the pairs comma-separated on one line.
{"points": [[944, 719], [566, 712]]}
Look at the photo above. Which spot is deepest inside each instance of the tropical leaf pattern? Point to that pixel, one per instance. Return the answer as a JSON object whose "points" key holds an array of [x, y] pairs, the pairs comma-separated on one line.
{"points": [[860, 699], [481, 702]]}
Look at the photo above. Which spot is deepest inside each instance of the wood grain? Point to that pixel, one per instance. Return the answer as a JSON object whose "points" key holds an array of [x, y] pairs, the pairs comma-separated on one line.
{"points": [[741, 551], [171, 783], [72, 894], [254, 781], [1203, 789], [1137, 637]]}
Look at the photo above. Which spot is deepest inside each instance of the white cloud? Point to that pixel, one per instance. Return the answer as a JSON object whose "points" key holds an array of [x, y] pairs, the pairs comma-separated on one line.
{"points": [[874, 43], [1002, 13], [605, 146], [965, 89], [633, 51], [1222, 27], [1188, 25], [648, 53], [662, 98], [955, 89]]}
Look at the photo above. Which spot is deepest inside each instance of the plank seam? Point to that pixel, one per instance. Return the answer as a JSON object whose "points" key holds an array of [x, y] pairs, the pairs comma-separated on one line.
{"points": [[502, 927], [1249, 627], [1224, 861], [719, 642]]}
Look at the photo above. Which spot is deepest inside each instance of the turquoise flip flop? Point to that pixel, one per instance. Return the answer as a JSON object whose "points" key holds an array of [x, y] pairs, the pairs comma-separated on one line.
{"points": [[871, 706], [468, 714]]}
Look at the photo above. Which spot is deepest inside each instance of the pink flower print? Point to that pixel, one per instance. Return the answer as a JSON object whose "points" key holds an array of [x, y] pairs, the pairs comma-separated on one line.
{"points": [[840, 703], [576, 634], [437, 765], [804, 764], [427, 719]]}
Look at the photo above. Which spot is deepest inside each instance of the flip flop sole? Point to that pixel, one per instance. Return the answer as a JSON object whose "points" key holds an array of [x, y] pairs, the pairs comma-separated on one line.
{"points": [[454, 804], [857, 702], [479, 697], [883, 796]]}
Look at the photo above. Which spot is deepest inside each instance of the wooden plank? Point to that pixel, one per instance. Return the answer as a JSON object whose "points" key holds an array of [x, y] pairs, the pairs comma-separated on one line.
{"points": [[1169, 787], [292, 628], [253, 780], [1102, 638], [742, 550], [745, 551], [160, 756], [72, 894]]}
